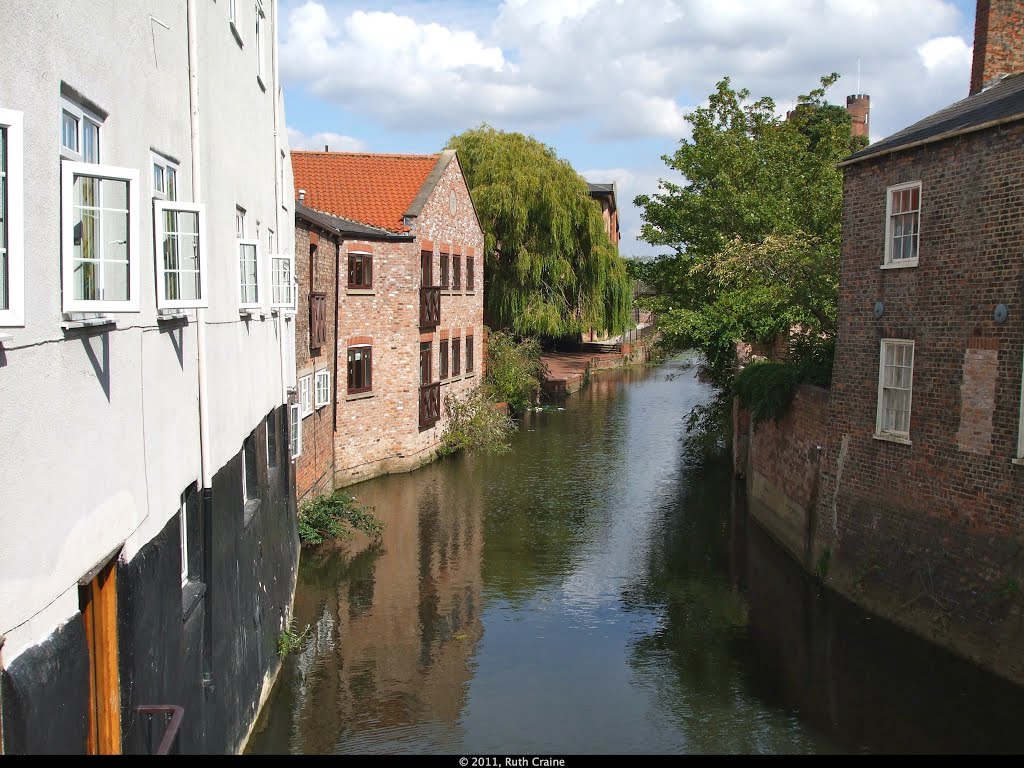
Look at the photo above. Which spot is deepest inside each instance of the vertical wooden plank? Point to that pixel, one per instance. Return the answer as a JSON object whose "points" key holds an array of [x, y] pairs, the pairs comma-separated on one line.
{"points": [[109, 691], [88, 618]]}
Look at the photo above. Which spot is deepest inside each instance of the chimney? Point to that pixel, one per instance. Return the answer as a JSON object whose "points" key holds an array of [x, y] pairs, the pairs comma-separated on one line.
{"points": [[326, 148], [302, 196], [998, 42], [859, 107]]}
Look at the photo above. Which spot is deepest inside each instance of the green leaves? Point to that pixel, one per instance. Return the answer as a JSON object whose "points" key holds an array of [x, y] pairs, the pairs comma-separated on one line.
{"points": [[550, 268]]}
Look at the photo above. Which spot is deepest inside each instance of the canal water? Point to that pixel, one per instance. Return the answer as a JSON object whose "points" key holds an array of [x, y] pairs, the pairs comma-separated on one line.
{"points": [[599, 589]]}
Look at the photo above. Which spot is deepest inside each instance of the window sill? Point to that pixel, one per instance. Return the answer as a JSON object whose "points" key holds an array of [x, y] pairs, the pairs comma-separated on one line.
{"points": [[251, 314], [237, 34], [470, 375], [262, 85], [901, 264], [892, 438], [169, 317], [1019, 461], [321, 406], [304, 414], [252, 506], [361, 291], [5, 337], [92, 322], [192, 593], [360, 396]]}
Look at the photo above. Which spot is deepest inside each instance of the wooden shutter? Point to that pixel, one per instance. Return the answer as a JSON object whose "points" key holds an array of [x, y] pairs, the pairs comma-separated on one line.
{"points": [[317, 319]]}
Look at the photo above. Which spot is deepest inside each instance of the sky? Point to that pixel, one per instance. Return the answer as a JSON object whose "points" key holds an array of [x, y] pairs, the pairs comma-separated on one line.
{"points": [[606, 83]]}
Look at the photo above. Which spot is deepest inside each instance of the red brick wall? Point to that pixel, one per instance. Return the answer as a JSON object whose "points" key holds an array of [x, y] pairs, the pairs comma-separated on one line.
{"points": [[315, 270], [786, 454], [380, 433], [998, 41], [948, 509]]}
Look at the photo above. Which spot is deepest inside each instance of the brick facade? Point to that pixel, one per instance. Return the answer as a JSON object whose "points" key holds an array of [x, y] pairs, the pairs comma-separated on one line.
{"points": [[998, 41], [942, 516], [316, 269], [378, 432]]}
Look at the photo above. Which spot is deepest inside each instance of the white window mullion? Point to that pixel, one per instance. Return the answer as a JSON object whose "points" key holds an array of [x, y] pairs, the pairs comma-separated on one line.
{"points": [[179, 278], [895, 389], [249, 296], [323, 388], [282, 269], [12, 241], [306, 394], [296, 431]]}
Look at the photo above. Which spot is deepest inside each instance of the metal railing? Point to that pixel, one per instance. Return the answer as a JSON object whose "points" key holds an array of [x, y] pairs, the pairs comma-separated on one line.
{"points": [[430, 404], [633, 335], [430, 307], [174, 714]]}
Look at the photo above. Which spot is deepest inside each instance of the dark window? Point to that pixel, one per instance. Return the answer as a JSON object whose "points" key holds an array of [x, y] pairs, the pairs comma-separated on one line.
{"points": [[250, 476], [456, 273], [272, 439], [360, 270], [360, 369], [427, 269], [456, 356], [469, 354], [445, 262], [426, 363], [470, 274], [442, 361], [317, 320]]}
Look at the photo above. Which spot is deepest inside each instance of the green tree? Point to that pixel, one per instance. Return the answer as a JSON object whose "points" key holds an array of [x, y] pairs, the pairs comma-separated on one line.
{"points": [[550, 268], [755, 228]]}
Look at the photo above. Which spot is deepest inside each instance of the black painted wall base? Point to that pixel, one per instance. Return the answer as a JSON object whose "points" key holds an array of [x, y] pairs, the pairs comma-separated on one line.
{"points": [[206, 646]]}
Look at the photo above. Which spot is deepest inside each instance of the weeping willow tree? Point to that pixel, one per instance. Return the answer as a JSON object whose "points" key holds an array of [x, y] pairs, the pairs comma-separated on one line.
{"points": [[550, 268]]}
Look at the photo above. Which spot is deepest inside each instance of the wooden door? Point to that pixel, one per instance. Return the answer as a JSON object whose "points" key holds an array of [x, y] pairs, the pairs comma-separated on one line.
{"points": [[99, 611]]}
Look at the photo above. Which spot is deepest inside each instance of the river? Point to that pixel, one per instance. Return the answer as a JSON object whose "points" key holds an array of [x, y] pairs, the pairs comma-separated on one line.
{"points": [[599, 589]]}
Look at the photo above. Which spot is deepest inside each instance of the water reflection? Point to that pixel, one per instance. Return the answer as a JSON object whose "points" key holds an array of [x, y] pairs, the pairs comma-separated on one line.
{"points": [[599, 590]]}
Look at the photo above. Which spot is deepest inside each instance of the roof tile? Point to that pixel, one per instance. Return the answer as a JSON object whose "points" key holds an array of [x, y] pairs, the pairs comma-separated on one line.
{"points": [[370, 189]]}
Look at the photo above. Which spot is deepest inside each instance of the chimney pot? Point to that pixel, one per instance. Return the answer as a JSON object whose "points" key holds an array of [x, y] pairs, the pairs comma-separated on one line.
{"points": [[302, 196], [326, 148]]}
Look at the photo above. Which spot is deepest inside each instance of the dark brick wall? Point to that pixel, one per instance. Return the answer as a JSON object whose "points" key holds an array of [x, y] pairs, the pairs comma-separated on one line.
{"points": [[942, 517]]}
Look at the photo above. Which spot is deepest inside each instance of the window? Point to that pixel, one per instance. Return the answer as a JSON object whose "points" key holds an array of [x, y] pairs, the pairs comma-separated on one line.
{"points": [[317, 319], [248, 281], [456, 273], [895, 386], [99, 238], [456, 356], [442, 362], [183, 524], [469, 354], [426, 363], [271, 241], [360, 370], [79, 133], [12, 233], [323, 388], [427, 269], [233, 20], [165, 178], [239, 222], [281, 272], [360, 270], [306, 394], [445, 264], [250, 477], [260, 20], [295, 431], [272, 439], [470, 274], [180, 232], [902, 224]]}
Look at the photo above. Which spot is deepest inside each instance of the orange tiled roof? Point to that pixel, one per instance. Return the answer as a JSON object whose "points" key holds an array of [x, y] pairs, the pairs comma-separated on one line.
{"points": [[366, 188]]}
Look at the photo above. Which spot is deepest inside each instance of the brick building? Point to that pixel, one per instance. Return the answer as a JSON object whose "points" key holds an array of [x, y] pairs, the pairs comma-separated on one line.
{"points": [[391, 310], [922, 482], [604, 194]]}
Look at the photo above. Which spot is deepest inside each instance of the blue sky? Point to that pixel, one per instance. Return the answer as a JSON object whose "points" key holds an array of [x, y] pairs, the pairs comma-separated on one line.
{"points": [[605, 82]]}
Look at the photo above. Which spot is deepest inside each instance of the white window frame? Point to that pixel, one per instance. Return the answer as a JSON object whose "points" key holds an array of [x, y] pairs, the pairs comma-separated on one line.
{"points": [[233, 21], [888, 261], [306, 394], [295, 441], [14, 218], [81, 116], [239, 222], [70, 170], [162, 302], [242, 303], [183, 516], [891, 434], [260, 34], [322, 386], [282, 271], [168, 168]]}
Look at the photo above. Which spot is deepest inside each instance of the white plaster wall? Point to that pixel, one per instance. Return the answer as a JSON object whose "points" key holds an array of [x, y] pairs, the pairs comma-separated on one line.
{"points": [[101, 432]]}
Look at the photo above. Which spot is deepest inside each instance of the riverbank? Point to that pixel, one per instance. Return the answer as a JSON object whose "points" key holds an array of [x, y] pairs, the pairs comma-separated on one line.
{"points": [[568, 372]]}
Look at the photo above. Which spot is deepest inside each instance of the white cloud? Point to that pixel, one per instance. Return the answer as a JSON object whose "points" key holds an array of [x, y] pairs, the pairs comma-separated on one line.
{"points": [[336, 141]]}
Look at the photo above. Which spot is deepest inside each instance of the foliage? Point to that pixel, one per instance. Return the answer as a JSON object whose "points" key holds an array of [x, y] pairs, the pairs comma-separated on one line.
{"points": [[290, 640], [514, 370], [767, 388], [475, 424], [336, 516], [755, 229], [550, 268]]}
